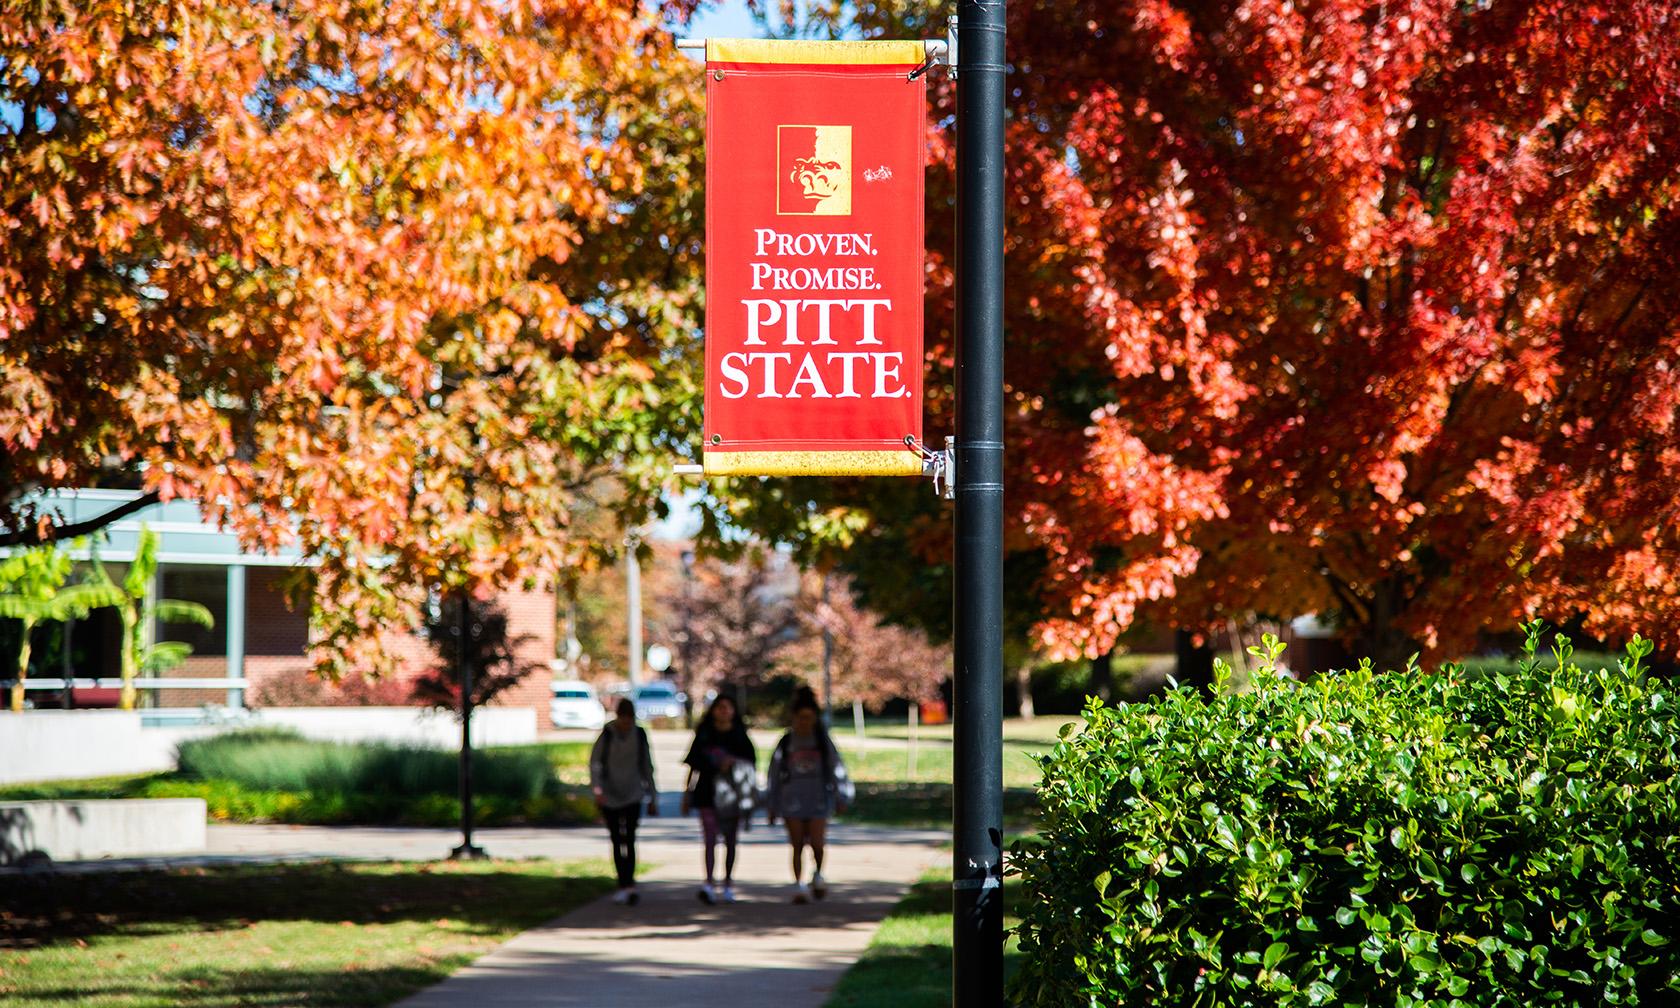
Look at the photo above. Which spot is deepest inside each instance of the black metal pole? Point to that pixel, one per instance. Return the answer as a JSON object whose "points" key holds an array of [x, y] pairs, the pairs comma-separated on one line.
{"points": [[827, 660], [688, 638], [977, 864], [466, 851]]}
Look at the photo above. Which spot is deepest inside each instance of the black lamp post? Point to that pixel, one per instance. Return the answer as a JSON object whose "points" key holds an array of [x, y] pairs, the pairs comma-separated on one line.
{"points": [[467, 850], [687, 631], [977, 749]]}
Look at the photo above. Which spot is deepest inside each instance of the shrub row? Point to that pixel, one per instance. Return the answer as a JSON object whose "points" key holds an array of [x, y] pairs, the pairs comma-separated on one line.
{"points": [[275, 775], [277, 760], [227, 801], [1401, 839]]}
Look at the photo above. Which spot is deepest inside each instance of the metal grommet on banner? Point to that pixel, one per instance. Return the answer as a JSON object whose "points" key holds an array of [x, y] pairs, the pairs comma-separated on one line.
{"points": [[717, 439], [717, 75]]}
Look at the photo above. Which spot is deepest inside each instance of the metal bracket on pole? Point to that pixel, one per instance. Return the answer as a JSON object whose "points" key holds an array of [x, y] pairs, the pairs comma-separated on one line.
{"points": [[950, 454], [951, 45], [939, 466], [942, 467]]}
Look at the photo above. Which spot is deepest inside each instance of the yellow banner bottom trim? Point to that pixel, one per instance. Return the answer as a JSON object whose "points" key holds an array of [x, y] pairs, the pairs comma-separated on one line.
{"points": [[812, 463]]}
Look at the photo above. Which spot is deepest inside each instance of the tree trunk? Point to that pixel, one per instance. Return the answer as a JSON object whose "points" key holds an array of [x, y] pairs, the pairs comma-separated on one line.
{"points": [[1380, 640], [1102, 677], [66, 665], [1194, 661], [1023, 685], [130, 656], [22, 667]]}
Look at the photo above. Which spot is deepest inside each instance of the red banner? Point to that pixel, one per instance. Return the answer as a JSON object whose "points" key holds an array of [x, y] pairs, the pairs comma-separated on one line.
{"points": [[814, 257]]}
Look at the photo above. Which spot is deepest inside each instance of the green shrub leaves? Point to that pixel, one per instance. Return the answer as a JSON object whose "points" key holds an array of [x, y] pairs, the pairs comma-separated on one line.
{"points": [[1405, 839], [279, 760], [276, 775]]}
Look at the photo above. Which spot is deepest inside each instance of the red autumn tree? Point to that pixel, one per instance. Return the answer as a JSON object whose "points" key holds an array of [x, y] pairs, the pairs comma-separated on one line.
{"points": [[1332, 306], [730, 621], [873, 661], [394, 281]]}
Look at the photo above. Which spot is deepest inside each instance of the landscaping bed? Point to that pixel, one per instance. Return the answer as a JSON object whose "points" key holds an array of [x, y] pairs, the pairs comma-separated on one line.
{"points": [[276, 776]]}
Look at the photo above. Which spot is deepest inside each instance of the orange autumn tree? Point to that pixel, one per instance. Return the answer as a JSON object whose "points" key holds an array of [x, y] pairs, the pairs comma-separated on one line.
{"points": [[1333, 306], [396, 281]]}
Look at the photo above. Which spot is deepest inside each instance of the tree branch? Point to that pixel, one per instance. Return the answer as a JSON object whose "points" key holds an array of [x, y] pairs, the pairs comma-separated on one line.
{"points": [[56, 533]]}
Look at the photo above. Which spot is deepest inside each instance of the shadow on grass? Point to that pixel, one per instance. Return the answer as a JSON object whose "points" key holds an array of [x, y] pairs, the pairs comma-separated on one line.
{"points": [[927, 805], [42, 910], [217, 988]]}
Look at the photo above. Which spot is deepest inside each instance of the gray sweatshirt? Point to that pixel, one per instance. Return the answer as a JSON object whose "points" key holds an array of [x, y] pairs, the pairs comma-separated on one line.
{"points": [[799, 786]]}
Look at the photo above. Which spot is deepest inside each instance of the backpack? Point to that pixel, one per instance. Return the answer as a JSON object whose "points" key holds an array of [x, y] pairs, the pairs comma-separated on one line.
{"points": [[644, 754]]}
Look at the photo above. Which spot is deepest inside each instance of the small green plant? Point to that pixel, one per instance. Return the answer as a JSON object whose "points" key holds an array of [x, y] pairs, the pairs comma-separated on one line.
{"points": [[134, 603], [1409, 839], [32, 591]]}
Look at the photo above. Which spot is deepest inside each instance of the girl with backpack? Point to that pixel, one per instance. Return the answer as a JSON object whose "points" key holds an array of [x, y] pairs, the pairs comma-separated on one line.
{"points": [[621, 776], [808, 784], [722, 786]]}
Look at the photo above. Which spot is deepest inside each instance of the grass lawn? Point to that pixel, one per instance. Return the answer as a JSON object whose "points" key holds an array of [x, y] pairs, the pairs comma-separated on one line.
{"points": [[1041, 730], [908, 962], [890, 795], [314, 934]]}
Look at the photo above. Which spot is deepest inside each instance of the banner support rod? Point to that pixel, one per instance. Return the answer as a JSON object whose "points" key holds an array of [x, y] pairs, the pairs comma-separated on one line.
{"points": [[938, 50]]}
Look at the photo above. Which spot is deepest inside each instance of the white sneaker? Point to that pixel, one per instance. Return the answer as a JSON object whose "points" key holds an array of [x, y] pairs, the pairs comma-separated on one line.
{"points": [[707, 894], [819, 888], [621, 897], [802, 893], [728, 894]]}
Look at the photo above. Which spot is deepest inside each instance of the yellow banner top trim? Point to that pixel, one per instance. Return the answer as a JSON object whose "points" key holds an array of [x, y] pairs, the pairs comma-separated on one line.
{"points": [[808, 52]]}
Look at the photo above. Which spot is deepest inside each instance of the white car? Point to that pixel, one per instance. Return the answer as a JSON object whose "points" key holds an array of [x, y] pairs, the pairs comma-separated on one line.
{"points": [[659, 699], [576, 705]]}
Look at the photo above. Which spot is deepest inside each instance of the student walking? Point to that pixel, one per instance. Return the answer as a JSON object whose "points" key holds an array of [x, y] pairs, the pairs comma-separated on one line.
{"points": [[808, 784], [722, 774], [621, 775]]}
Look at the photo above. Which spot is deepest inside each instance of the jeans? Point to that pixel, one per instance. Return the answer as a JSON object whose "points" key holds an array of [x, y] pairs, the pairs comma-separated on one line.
{"points": [[621, 826]]}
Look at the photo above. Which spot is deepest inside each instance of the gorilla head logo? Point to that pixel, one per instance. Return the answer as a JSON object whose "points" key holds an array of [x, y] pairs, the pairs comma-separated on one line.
{"points": [[815, 176]]}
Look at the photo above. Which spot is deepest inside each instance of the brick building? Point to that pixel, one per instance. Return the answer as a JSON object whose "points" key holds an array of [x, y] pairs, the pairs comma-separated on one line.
{"points": [[257, 651]]}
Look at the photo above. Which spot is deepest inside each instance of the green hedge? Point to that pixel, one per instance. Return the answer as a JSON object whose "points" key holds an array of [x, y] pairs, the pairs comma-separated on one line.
{"points": [[266, 759], [1397, 840], [275, 775]]}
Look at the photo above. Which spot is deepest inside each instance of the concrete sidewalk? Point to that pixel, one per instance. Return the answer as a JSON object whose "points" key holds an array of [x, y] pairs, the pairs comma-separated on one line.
{"points": [[672, 950]]}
